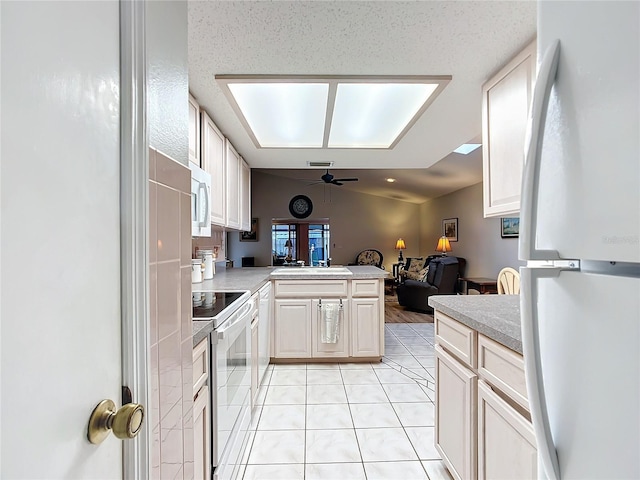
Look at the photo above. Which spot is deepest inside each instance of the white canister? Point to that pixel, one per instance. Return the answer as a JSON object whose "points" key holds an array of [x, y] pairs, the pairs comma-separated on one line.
{"points": [[196, 270], [209, 299], [207, 258], [197, 299]]}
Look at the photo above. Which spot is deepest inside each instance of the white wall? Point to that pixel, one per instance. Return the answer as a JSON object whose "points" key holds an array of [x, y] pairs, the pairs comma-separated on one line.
{"points": [[358, 221], [168, 78], [479, 239]]}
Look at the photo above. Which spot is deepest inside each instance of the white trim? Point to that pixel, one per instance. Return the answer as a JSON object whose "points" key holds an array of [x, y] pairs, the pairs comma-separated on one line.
{"points": [[134, 237]]}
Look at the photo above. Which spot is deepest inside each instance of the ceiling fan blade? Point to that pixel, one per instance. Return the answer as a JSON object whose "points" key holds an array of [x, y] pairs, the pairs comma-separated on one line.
{"points": [[346, 179], [336, 182]]}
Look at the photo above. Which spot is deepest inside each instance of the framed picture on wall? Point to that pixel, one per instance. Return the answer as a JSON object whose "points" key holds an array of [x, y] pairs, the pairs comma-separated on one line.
{"points": [[510, 227], [252, 235], [450, 229]]}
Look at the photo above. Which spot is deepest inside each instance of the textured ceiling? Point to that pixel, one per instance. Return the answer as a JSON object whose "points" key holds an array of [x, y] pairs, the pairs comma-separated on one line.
{"points": [[469, 40]]}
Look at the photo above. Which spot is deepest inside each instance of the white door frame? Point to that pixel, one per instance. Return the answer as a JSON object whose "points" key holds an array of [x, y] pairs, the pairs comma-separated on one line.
{"points": [[134, 228]]}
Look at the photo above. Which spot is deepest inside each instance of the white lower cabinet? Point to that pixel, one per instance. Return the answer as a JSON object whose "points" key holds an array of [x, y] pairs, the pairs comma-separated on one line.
{"points": [[506, 442], [456, 407], [201, 413], [483, 427], [365, 327], [298, 320], [341, 347], [292, 328]]}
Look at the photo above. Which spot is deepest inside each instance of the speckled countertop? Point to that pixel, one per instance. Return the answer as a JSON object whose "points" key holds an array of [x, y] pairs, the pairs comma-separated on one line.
{"points": [[496, 316], [252, 278]]}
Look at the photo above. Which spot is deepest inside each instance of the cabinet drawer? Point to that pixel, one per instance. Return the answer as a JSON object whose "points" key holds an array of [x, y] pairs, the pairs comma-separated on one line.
{"points": [[456, 338], [365, 288], [311, 288], [503, 368], [200, 365]]}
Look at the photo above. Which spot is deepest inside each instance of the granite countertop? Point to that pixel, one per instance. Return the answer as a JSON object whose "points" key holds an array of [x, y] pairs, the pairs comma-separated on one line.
{"points": [[201, 330], [496, 316], [230, 279]]}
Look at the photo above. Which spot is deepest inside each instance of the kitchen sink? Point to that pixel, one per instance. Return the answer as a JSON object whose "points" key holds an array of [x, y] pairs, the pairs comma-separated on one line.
{"points": [[312, 271]]}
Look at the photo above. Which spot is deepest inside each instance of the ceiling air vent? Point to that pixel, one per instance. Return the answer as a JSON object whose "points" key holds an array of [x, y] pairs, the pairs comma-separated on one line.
{"points": [[320, 164]]}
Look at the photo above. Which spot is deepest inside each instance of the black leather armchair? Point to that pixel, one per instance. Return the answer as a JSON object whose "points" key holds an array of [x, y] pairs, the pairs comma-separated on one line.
{"points": [[442, 279]]}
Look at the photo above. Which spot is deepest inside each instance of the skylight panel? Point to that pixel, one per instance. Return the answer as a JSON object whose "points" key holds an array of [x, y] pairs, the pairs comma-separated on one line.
{"points": [[467, 148]]}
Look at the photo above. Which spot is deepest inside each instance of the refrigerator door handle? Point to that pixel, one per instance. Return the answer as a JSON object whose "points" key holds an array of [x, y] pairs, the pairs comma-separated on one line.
{"points": [[533, 142], [547, 455]]}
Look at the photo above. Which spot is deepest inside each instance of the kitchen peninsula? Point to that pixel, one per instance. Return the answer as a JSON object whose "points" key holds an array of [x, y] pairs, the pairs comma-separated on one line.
{"points": [[483, 424], [298, 293]]}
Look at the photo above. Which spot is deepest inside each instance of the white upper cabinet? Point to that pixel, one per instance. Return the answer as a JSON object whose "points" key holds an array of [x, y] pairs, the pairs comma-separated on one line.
{"points": [[213, 161], [194, 131], [233, 162], [230, 174], [506, 99], [245, 196]]}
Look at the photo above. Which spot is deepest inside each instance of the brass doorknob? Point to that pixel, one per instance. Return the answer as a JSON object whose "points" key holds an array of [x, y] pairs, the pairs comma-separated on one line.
{"points": [[125, 422]]}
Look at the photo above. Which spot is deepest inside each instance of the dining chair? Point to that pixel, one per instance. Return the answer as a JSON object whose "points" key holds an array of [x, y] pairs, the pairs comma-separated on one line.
{"points": [[508, 281]]}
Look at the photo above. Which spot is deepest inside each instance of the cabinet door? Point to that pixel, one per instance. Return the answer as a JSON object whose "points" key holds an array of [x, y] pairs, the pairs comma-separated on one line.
{"points": [[194, 131], [456, 409], [506, 442], [245, 197], [365, 327], [202, 435], [292, 328], [505, 108], [341, 347], [233, 187], [213, 161]]}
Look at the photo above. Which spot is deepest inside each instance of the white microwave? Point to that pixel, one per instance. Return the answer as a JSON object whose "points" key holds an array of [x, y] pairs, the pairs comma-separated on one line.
{"points": [[200, 202]]}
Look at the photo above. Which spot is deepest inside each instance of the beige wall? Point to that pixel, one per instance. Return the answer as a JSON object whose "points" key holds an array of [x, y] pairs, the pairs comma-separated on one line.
{"points": [[479, 239], [357, 220]]}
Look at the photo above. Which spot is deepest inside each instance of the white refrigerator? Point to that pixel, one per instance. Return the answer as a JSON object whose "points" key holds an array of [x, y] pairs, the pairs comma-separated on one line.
{"points": [[580, 233]]}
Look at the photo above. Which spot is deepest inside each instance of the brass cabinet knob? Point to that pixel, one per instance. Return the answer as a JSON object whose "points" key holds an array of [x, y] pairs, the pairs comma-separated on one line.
{"points": [[125, 422]]}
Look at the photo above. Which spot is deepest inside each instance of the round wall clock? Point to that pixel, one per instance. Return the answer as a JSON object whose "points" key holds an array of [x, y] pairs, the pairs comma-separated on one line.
{"points": [[300, 206]]}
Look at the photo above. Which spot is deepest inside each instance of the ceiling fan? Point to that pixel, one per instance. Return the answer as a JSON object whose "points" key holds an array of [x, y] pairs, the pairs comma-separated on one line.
{"points": [[328, 178]]}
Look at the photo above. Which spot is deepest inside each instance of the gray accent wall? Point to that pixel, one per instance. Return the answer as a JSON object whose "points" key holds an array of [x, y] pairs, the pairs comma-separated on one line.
{"points": [[479, 239], [357, 221]]}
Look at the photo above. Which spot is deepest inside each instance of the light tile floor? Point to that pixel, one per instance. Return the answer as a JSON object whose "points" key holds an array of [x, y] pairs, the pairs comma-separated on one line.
{"points": [[350, 421]]}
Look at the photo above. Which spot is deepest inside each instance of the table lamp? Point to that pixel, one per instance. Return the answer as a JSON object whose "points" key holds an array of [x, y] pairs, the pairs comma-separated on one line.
{"points": [[400, 246], [443, 245]]}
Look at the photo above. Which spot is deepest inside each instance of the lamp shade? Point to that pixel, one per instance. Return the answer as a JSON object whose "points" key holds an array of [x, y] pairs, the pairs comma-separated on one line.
{"points": [[400, 244], [443, 245]]}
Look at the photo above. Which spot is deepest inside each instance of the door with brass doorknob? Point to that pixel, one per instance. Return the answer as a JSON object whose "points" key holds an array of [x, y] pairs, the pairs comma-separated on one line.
{"points": [[66, 343], [125, 423]]}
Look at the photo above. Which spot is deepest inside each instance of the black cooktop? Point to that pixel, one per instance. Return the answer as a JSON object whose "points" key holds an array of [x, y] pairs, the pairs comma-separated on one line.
{"points": [[213, 303]]}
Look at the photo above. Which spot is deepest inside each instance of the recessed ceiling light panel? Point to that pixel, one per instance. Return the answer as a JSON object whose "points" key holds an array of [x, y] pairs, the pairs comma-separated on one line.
{"points": [[287, 115], [373, 115], [308, 111]]}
